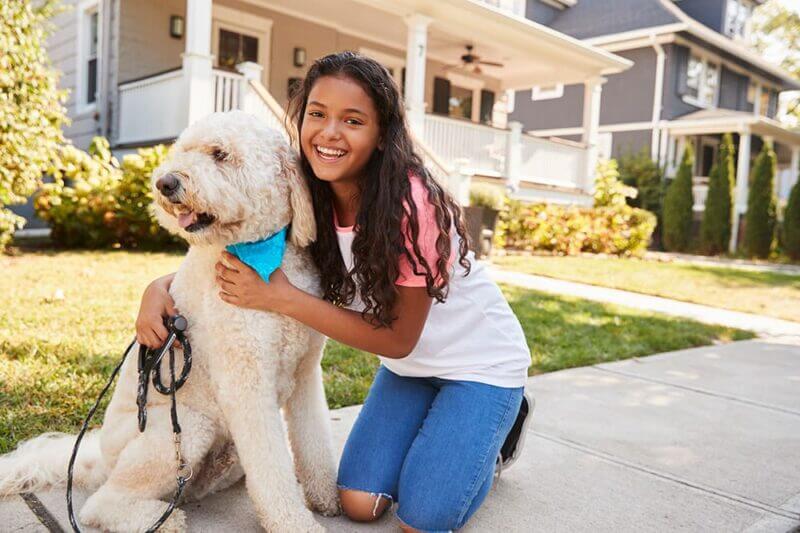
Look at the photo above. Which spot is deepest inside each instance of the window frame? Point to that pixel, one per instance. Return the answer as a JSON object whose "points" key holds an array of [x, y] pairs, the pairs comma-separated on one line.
{"points": [[702, 87], [743, 30], [547, 92], [86, 9]]}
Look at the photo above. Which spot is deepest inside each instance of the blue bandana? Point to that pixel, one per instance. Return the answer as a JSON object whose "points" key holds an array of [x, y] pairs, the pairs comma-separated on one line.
{"points": [[263, 256]]}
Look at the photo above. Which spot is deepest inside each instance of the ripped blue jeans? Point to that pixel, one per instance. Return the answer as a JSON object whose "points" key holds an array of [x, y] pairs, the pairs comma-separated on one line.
{"points": [[430, 445]]}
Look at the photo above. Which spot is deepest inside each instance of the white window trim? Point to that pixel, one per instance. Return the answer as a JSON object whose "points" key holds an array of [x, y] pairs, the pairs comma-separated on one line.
{"points": [[553, 92], [230, 19], [705, 60], [87, 7], [473, 84], [747, 25], [396, 63]]}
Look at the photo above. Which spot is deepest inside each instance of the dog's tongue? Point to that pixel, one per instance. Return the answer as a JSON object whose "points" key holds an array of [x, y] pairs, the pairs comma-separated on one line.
{"points": [[187, 219]]}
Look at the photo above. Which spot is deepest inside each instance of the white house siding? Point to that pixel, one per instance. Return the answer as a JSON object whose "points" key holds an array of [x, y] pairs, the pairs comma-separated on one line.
{"points": [[62, 48], [146, 45]]}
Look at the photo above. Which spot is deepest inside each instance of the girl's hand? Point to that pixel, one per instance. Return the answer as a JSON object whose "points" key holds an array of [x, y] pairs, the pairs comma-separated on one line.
{"points": [[156, 304], [243, 287]]}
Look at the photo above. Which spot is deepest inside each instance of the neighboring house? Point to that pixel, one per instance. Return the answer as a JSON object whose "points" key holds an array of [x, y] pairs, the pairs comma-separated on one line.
{"points": [[693, 80], [139, 71]]}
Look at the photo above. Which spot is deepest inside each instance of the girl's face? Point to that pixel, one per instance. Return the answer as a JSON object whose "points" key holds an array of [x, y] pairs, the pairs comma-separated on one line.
{"points": [[340, 129]]}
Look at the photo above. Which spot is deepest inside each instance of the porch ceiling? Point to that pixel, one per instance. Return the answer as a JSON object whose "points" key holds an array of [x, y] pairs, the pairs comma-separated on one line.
{"points": [[532, 54], [724, 120]]}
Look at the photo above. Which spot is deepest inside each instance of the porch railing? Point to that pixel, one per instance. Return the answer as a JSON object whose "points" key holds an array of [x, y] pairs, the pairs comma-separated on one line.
{"points": [[150, 108], [472, 147], [227, 90], [559, 163]]}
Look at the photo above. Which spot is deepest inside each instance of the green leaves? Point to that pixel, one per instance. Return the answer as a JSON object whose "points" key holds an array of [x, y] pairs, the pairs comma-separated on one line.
{"points": [[761, 205], [31, 105], [678, 204]]}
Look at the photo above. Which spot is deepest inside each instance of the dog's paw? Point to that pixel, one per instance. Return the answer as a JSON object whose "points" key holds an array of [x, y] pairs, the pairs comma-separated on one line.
{"points": [[325, 504]]}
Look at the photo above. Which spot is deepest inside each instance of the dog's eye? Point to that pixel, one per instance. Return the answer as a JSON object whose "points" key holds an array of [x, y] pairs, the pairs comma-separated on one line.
{"points": [[219, 154]]}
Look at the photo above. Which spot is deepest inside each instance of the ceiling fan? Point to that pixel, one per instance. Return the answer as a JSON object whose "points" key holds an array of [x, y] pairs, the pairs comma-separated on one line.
{"points": [[470, 59]]}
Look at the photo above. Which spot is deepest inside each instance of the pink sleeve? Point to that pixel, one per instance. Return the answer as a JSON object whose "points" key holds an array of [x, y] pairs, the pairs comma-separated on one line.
{"points": [[428, 233]]}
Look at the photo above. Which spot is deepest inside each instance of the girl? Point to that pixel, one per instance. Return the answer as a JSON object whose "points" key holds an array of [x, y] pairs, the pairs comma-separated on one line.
{"points": [[392, 254]]}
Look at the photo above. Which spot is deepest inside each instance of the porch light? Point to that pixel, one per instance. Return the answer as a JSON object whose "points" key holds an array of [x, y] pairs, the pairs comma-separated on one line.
{"points": [[176, 26], [299, 57]]}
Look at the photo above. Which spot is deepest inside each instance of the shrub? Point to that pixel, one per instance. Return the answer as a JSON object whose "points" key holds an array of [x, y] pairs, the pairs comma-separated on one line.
{"points": [[609, 190], [620, 230], [761, 209], [94, 202], [485, 195], [678, 206], [31, 110], [791, 224], [641, 172], [715, 231]]}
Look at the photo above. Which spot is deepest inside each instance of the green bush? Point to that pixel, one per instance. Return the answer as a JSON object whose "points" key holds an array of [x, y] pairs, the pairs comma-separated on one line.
{"points": [[641, 172], [609, 191], [715, 231], [569, 230], [761, 208], [31, 110], [678, 206], [94, 202], [485, 195], [791, 224]]}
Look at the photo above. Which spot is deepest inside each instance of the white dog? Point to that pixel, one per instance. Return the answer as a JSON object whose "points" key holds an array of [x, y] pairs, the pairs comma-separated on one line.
{"points": [[228, 179]]}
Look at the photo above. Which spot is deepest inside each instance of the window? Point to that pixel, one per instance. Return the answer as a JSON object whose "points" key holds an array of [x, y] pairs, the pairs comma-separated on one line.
{"points": [[702, 81], [88, 76], [737, 15], [516, 7], [235, 48], [460, 102], [547, 92], [751, 93]]}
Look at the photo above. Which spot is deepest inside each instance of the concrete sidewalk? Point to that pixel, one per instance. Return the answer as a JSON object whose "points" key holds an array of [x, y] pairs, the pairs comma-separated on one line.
{"points": [[759, 324], [706, 439]]}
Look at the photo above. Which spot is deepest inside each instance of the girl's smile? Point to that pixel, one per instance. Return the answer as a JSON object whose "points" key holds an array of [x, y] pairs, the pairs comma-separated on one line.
{"points": [[340, 129]]}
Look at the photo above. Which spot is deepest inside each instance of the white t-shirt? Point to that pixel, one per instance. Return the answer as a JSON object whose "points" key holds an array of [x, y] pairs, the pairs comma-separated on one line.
{"points": [[472, 336]]}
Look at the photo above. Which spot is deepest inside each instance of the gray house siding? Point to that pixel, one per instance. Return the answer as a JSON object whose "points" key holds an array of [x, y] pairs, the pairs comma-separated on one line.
{"points": [[590, 18], [733, 91], [708, 12], [619, 104], [540, 12], [630, 142]]}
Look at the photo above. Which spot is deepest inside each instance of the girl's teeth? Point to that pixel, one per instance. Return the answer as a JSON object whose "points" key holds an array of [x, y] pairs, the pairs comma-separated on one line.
{"points": [[329, 152]]}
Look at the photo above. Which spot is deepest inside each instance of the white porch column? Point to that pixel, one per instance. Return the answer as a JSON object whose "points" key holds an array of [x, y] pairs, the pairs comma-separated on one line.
{"points": [[248, 100], [740, 194], [416, 54], [513, 163], [593, 90], [794, 169], [197, 60]]}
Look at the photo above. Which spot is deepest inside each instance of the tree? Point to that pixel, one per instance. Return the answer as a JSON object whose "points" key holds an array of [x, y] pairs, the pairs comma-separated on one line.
{"points": [[678, 204], [791, 224], [31, 105], [776, 33], [715, 231], [609, 190], [761, 209], [640, 171]]}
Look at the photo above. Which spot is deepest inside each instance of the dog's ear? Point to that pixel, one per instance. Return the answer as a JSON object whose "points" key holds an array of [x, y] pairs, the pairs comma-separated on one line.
{"points": [[304, 226]]}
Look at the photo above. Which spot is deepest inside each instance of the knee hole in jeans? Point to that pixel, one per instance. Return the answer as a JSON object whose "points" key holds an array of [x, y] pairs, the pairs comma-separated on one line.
{"points": [[363, 506]]}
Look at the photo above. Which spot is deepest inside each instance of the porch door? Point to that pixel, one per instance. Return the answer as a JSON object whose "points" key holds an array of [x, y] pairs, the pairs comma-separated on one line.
{"points": [[238, 36]]}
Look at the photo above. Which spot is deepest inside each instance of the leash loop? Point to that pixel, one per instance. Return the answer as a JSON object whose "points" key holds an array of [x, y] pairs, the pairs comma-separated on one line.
{"points": [[149, 363]]}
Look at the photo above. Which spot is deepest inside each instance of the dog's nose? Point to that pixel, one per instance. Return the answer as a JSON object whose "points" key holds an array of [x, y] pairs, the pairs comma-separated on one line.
{"points": [[168, 184]]}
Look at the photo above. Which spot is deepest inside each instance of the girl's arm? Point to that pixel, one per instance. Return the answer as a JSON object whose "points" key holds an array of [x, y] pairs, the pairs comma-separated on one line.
{"points": [[243, 287], [156, 303]]}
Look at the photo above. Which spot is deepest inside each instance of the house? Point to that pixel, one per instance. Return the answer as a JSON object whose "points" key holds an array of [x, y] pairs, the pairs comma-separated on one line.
{"points": [[693, 80], [139, 71]]}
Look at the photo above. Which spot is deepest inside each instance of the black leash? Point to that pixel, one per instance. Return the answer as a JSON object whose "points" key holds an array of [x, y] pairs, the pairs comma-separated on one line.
{"points": [[149, 364]]}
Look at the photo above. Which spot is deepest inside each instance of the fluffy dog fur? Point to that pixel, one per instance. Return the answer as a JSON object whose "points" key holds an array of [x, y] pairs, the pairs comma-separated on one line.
{"points": [[248, 365]]}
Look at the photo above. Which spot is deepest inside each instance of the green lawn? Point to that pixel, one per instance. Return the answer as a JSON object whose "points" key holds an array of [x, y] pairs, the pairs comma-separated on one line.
{"points": [[65, 318], [763, 293]]}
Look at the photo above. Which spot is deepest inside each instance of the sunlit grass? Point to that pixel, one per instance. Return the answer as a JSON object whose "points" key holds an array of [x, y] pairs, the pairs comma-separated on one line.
{"points": [[66, 317]]}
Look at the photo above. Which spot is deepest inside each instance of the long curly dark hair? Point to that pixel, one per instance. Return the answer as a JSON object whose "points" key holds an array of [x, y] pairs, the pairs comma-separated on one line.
{"points": [[386, 200]]}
